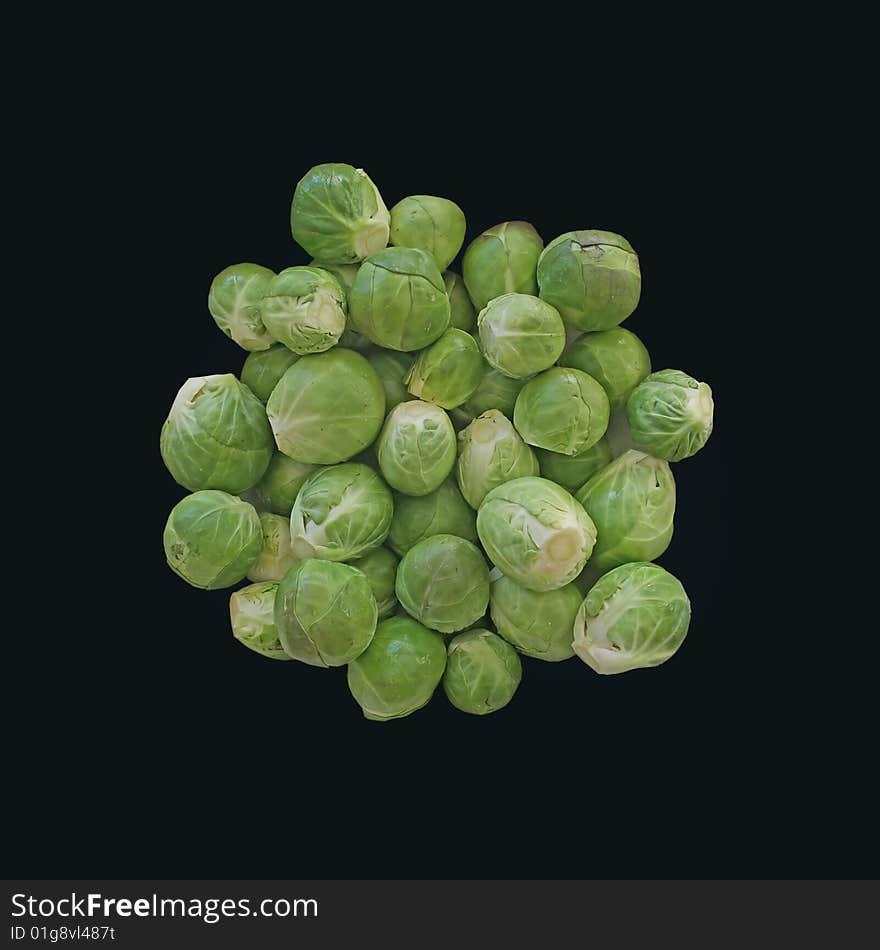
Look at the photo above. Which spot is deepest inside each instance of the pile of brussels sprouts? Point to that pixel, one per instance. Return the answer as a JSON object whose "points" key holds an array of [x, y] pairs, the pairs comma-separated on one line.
{"points": [[424, 475]]}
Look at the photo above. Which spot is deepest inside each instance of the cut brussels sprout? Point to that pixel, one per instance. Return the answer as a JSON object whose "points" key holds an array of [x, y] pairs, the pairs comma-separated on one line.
{"points": [[635, 616], [443, 582], [212, 539], [616, 359], [304, 308], [325, 612], [591, 277], [327, 407], [520, 335], [252, 613], [490, 453], [276, 557], [392, 368], [538, 623], [435, 225], [562, 410], [482, 672], [535, 532], [399, 300], [279, 486], [462, 315], [380, 568], [448, 371], [340, 513], [502, 260], [572, 471], [671, 414], [234, 302], [216, 435], [338, 215], [399, 671], [262, 370], [443, 511], [416, 448], [495, 391]]}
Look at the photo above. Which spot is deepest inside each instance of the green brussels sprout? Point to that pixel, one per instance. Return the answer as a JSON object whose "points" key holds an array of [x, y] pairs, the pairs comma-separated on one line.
{"points": [[325, 612], [276, 557], [340, 513], [279, 486], [327, 407], [304, 308], [591, 277], [443, 511], [392, 367], [482, 672], [443, 582], [495, 391], [618, 434], [616, 359], [671, 414], [338, 215], [490, 453], [502, 260], [632, 503], [379, 566], [572, 471], [520, 335], [262, 370], [462, 315], [211, 539], [234, 302], [344, 273], [563, 410], [399, 671], [252, 612], [416, 447], [435, 225], [535, 532], [448, 371], [538, 623], [635, 616], [216, 435], [399, 300]]}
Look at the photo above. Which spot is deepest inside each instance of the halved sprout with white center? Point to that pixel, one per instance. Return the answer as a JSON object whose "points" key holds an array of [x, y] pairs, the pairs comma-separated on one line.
{"points": [[635, 616], [304, 308]]}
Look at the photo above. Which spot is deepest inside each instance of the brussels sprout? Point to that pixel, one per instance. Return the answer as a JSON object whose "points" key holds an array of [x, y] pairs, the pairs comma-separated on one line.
{"points": [[482, 672], [252, 612], [380, 569], [538, 624], [448, 371], [276, 558], [325, 613], [616, 359], [234, 301], [216, 435], [572, 471], [496, 391], [591, 277], [502, 260], [535, 532], [490, 453], [416, 447], [399, 671], [520, 335], [399, 300], [462, 315], [392, 368], [443, 582], [279, 486], [261, 371], [340, 513], [344, 273], [304, 308], [327, 407], [338, 215], [635, 616], [632, 503], [211, 539], [435, 225], [443, 511], [670, 414], [563, 410], [619, 437]]}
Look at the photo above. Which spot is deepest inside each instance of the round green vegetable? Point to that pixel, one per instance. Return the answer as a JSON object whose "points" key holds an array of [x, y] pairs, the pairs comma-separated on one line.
{"points": [[491, 452], [325, 612], [495, 391], [443, 582], [635, 616], [435, 225], [443, 511], [572, 471], [448, 371], [538, 623], [212, 539], [520, 335], [461, 310], [327, 407], [591, 277], [304, 308], [344, 273], [380, 568], [216, 435], [234, 301], [482, 672], [416, 448], [252, 613], [502, 260], [392, 368], [399, 671], [616, 359], [671, 414], [262, 370], [276, 558], [281, 482]]}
